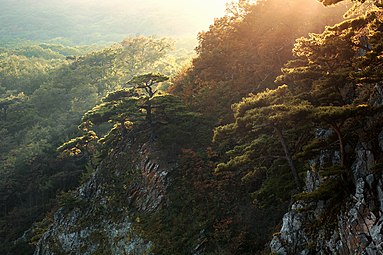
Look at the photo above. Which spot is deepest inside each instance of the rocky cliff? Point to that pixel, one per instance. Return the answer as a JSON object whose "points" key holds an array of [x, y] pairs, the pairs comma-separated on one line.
{"points": [[351, 225], [100, 216]]}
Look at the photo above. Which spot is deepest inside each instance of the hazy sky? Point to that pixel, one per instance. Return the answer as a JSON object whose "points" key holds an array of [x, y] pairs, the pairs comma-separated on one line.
{"points": [[196, 15], [92, 20]]}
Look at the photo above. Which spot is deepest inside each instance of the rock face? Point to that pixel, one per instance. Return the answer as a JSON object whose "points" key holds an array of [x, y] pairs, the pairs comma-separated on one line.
{"points": [[358, 224], [100, 217]]}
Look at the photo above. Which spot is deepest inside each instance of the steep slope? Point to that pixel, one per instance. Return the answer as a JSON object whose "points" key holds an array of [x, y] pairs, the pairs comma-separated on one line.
{"points": [[340, 211], [317, 224], [138, 192], [42, 98], [157, 175], [244, 51], [333, 84], [100, 217]]}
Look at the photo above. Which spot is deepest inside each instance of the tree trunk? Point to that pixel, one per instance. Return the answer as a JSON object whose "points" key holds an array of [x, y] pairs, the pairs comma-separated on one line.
{"points": [[149, 118], [288, 157], [149, 114], [348, 173], [341, 144], [123, 128]]}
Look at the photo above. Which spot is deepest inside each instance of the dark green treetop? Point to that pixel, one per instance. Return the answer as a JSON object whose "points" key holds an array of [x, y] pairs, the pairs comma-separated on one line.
{"points": [[257, 118], [80, 145], [147, 82], [118, 106], [123, 108], [328, 67], [7, 101]]}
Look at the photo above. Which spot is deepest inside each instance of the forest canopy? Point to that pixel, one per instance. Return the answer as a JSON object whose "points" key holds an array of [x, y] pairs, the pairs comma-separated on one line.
{"points": [[273, 88], [44, 91]]}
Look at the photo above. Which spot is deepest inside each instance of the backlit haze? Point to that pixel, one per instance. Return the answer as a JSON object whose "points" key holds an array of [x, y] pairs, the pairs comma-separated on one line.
{"points": [[106, 20]]}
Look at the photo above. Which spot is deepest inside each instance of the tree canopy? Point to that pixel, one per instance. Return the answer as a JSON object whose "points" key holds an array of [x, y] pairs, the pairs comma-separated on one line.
{"points": [[244, 51], [275, 87], [45, 89]]}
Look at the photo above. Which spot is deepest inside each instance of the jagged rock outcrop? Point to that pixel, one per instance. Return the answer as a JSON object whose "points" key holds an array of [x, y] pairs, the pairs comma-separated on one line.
{"points": [[100, 217], [358, 224]]}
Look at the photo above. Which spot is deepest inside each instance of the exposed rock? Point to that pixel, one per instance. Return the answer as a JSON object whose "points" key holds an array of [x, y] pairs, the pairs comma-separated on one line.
{"points": [[323, 133], [312, 181], [381, 140], [326, 157], [359, 225], [378, 95], [277, 246], [68, 235], [101, 221], [364, 160], [359, 228]]}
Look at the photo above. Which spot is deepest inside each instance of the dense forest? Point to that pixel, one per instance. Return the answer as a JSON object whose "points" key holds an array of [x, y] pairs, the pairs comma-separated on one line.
{"points": [[144, 147], [46, 88]]}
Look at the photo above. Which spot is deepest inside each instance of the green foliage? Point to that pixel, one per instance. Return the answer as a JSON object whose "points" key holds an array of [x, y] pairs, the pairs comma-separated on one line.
{"points": [[180, 127], [326, 67], [369, 64], [140, 54], [148, 82], [276, 189], [324, 90], [7, 101], [256, 118], [244, 51], [259, 151], [160, 115], [334, 113], [127, 107], [189, 205], [116, 106], [45, 51], [68, 200], [43, 95], [79, 144], [313, 147], [327, 190]]}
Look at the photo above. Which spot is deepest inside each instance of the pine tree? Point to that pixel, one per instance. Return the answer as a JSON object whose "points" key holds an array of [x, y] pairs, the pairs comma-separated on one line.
{"points": [[272, 114]]}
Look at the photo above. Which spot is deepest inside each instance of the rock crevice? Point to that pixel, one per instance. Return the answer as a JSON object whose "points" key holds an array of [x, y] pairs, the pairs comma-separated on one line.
{"points": [[358, 226], [102, 220]]}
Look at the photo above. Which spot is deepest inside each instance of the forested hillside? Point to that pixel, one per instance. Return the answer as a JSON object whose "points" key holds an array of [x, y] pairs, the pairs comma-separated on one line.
{"points": [[244, 51], [45, 89], [268, 140]]}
